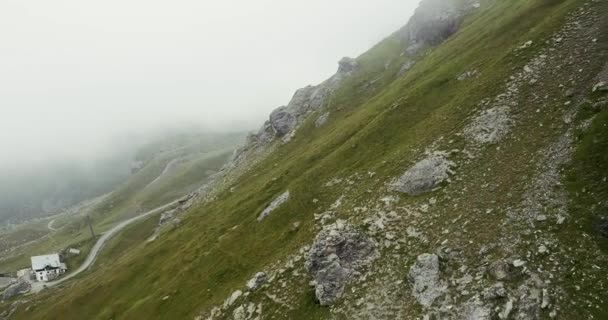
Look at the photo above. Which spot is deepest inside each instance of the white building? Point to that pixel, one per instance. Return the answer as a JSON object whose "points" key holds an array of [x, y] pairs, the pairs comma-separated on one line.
{"points": [[47, 267]]}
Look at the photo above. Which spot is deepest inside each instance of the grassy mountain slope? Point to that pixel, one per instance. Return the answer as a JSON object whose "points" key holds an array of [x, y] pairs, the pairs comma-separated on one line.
{"points": [[195, 160], [380, 124]]}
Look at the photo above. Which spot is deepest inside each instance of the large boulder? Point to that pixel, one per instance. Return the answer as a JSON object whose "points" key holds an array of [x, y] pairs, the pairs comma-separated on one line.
{"points": [[424, 176], [424, 277], [434, 21], [338, 254], [282, 121], [347, 65]]}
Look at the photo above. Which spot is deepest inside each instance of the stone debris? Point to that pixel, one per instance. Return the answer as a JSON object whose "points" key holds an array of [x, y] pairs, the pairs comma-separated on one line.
{"points": [[257, 281], [337, 254], [490, 126], [425, 279], [518, 263], [467, 74]]}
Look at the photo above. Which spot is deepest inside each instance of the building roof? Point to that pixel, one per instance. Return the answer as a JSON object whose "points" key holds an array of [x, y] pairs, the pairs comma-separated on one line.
{"points": [[49, 260]]}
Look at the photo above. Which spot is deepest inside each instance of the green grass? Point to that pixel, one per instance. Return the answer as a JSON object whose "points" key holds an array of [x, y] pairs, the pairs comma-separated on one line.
{"points": [[128, 200], [383, 128]]}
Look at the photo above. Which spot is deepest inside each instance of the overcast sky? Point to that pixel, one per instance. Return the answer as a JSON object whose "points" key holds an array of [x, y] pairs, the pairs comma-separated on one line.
{"points": [[75, 73]]}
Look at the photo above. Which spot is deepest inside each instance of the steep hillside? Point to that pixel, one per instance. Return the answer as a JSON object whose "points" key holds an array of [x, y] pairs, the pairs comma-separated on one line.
{"points": [[165, 169], [457, 170]]}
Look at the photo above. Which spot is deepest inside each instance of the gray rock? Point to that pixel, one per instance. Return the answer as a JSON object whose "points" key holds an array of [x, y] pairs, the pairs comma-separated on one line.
{"points": [[425, 279], [165, 217], [424, 176], [494, 292], [475, 309], [239, 313], [466, 75], [433, 22], [406, 67], [600, 86], [529, 304], [322, 119], [490, 126], [16, 289], [273, 205], [282, 121], [257, 281], [501, 270], [347, 65], [338, 254]]}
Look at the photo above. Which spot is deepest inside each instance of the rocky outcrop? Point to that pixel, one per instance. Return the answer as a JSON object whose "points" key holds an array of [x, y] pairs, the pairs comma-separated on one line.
{"points": [[433, 22], [424, 176], [347, 65], [424, 278], [273, 205], [338, 253], [257, 281], [284, 120]]}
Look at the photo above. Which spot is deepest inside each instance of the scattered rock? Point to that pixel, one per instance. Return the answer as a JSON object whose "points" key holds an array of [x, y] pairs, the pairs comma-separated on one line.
{"points": [[526, 45], [282, 121], [424, 277], [239, 313], [257, 281], [494, 292], [474, 309], [424, 176], [347, 65], [506, 310], [529, 302], [501, 270], [466, 75], [166, 216], [273, 205], [490, 126], [232, 299], [518, 263], [335, 257]]}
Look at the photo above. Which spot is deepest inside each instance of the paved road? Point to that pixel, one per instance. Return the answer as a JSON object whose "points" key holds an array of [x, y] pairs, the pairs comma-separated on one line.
{"points": [[50, 225], [168, 167], [37, 286]]}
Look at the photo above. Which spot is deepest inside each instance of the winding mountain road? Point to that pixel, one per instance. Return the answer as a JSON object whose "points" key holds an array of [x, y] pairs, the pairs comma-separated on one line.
{"points": [[37, 286], [50, 225]]}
